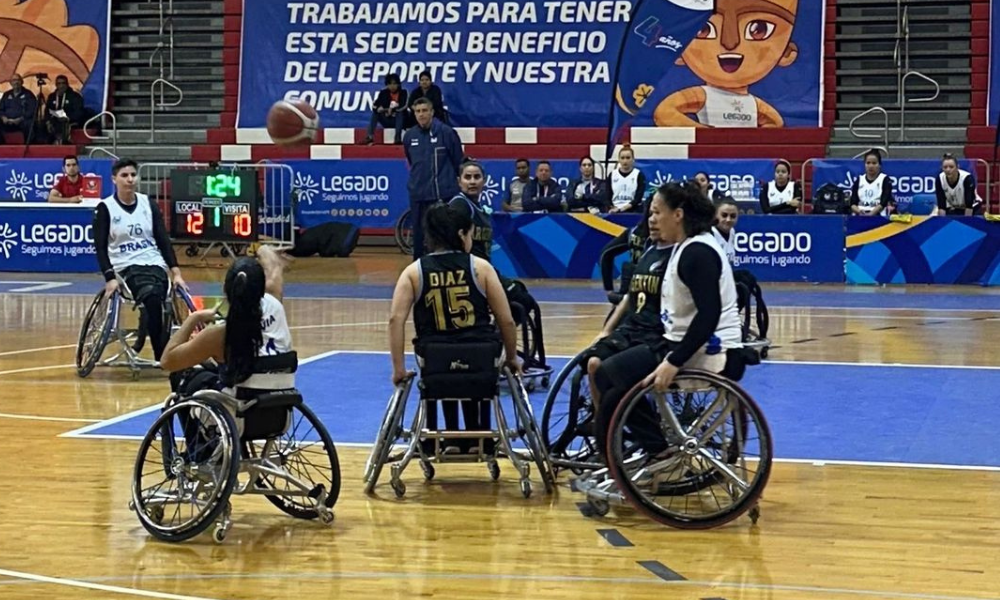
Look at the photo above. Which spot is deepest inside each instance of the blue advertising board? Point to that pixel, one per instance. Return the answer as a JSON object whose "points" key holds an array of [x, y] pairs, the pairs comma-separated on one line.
{"points": [[31, 179], [537, 63], [791, 248], [909, 177], [369, 194], [51, 239]]}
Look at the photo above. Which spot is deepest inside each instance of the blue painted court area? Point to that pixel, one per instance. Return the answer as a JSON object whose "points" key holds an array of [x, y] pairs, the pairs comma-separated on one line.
{"points": [[917, 415]]}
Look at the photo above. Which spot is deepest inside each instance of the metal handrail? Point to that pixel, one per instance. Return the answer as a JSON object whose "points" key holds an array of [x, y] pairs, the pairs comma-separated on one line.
{"points": [[114, 125], [102, 150], [153, 104], [989, 193], [904, 100], [885, 129]]}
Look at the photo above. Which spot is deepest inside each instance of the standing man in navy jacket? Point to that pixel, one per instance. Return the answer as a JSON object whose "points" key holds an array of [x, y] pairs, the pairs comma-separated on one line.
{"points": [[434, 153]]}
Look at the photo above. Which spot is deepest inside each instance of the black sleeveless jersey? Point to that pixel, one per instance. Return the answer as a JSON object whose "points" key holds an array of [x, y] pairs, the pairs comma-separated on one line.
{"points": [[644, 289], [638, 236], [482, 225], [449, 298]]}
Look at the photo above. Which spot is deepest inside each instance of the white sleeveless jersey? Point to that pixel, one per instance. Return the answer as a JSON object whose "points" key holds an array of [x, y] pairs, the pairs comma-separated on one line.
{"points": [[727, 245], [130, 236], [277, 338], [870, 193], [678, 309], [776, 197], [623, 187], [954, 197], [726, 109]]}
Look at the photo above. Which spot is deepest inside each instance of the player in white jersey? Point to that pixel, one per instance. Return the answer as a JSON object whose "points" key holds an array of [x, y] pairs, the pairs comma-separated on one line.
{"points": [[131, 240], [871, 193], [626, 185], [955, 189], [724, 231], [255, 327], [782, 196]]}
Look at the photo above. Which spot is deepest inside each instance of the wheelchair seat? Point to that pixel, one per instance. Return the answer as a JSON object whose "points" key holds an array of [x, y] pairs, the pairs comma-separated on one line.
{"points": [[458, 367]]}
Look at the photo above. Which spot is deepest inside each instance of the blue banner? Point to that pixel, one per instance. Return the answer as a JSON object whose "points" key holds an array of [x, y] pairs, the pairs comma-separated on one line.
{"points": [[58, 37], [497, 63], [790, 248], [369, 194], [49, 239], [993, 99], [31, 179], [657, 35], [909, 177]]}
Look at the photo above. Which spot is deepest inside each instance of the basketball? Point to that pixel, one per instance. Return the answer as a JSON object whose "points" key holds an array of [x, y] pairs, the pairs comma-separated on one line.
{"points": [[292, 122]]}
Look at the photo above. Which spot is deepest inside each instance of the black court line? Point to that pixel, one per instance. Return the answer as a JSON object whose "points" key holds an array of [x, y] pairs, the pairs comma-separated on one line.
{"points": [[885, 328], [713, 599], [615, 538], [982, 318], [932, 323], [661, 570], [845, 334], [807, 340]]}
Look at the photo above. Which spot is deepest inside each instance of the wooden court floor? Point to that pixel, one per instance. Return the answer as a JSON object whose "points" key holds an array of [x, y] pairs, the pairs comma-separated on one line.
{"points": [[827, 531]]}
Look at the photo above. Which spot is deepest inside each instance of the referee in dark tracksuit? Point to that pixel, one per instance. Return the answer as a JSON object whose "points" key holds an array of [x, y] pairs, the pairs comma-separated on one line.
{"points": [[434, 153]]}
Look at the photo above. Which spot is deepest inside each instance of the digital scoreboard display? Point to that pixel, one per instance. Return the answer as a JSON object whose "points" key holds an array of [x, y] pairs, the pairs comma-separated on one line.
{"points": [[214, 205]]}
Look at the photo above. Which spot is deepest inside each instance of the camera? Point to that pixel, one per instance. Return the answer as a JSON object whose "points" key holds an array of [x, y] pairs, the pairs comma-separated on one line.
{"points": [[41, 79]]}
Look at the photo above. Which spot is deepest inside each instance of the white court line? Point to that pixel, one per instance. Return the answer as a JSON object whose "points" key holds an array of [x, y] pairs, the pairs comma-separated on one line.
{"points": [[40, 418], [882, 365], [31, 369], [97, 586], [27, 350]]}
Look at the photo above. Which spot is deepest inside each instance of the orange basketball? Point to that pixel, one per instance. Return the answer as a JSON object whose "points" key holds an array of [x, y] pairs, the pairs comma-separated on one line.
{"points": [[292, 122]]}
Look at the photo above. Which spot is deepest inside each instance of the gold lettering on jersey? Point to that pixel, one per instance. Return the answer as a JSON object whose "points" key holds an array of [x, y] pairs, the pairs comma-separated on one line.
{"points": [[482, 234], [447, 278], [649, 284]]}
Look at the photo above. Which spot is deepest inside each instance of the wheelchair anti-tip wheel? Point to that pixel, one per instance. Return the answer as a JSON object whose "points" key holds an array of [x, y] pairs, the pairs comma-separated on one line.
{"points": [[696, 457], [307, 453], [186, 470], [568, 411], [96, 331]]}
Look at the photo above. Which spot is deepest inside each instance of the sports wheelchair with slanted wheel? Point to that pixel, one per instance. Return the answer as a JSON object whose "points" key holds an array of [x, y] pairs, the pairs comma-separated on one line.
{"points": [[451, 369], [695, 457], [531, 343], [189, 462], [106, 322]]}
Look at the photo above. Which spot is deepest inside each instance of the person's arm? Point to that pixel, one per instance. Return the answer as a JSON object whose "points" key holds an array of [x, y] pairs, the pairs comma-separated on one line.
{"points": [[402, 302], [455, 151], [381, 104], [403, 97], [165, 247], [700, 269], [611, 251], [508, 200], [887, 198], [765, 202], [970, 194], [855, 200], [406, 148], [797, 196], [102, 233], [274, 268], [616, 317], [942, 200], [640, 191], [183, 351], [55, 195], [496, 297]]}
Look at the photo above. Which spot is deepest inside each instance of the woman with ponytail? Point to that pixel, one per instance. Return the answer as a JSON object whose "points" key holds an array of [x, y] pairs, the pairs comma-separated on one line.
{"points": [[255, 325]]}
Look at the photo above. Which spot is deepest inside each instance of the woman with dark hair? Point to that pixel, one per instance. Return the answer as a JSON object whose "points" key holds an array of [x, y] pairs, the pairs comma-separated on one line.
{"points": [[255, 326], [727, 212], [955, 189], [634, 242], [871, 193], [471, 178], [428, 90], [389, 109], [451, 293], [781, 196], [588, 191]]}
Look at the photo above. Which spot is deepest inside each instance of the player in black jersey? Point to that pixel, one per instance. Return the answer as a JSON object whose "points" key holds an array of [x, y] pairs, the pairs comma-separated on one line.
{"points": [[471, 179], [633, 241], [451, 293], [636, 320]]}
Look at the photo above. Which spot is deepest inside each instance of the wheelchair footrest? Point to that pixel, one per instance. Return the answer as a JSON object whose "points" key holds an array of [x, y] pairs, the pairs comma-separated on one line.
{"points": [[427, 434]]}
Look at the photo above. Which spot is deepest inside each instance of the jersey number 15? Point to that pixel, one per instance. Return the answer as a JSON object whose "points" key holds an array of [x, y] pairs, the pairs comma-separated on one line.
{"points": [[451, 305]]}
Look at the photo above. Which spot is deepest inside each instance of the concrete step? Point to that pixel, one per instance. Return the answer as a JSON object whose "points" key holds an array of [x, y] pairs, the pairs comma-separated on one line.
{"points": [[170, 137], [882, 47], [140, 103], [181, 23], [928, 64], [183, 120], [193, 47], [916, 11], [192, 90], [945, 135], [153, 152], [133, 83], [914, 118], [915, 87], [182, 39], [929, 152], [918, 31], [181, 72]]}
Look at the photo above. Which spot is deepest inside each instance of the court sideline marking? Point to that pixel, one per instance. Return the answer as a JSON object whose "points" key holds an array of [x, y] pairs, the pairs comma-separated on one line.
{"points": [[28, 350], [96, 586], [32, 369]]}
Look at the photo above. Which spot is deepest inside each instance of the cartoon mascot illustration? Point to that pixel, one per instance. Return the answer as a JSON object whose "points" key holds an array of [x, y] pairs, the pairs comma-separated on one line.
{"points": [[741, 44]]}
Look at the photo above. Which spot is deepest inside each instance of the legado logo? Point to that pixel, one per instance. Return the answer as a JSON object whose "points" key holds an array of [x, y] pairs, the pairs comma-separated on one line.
{"points": [[18, 185], [773, 242], [8, 239]]}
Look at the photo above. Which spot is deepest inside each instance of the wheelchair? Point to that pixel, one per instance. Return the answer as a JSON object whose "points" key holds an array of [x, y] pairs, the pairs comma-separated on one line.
{"points": [[696, 457], [753, 312], [466, 370], [531, 343], [190, 461], [106, 322], [403, 232]]}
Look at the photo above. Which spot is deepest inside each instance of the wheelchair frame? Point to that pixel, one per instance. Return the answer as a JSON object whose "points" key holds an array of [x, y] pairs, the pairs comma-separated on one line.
{"points": [[392, 431], [264, 466], [131, 341], [635, 477]]}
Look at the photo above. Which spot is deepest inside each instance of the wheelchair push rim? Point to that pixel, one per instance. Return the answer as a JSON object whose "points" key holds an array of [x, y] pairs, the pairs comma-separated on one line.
{"points": [[567, 447], [404, 232], [696, 457], [94, 334]]}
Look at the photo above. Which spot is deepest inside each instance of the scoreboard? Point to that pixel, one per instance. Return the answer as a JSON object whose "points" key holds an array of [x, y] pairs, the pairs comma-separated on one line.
{"points": [[214, 205]]}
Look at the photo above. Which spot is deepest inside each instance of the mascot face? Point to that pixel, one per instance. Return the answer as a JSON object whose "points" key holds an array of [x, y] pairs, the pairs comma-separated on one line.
{"points": [[743, 42]]}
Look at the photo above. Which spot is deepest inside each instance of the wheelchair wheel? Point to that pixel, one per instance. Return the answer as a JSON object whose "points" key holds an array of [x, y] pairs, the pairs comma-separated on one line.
{"points": [[306, 451], [388, 433], [95, 332], [181, 307], [695, 458], [532, 436], [404, 232], [186, 470], [568, 408]]}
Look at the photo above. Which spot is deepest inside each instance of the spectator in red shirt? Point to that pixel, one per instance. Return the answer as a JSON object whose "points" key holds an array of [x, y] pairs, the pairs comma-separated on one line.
{"points": [[388, 110], [68, 188]]}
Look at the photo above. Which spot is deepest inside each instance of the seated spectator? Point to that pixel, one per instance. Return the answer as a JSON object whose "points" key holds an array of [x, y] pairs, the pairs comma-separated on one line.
{"points": [[543, 193], [626, 184], [707, 189], [781, 196], [871, 193], [428, 90], [515, 189], [389, 110], [588, 192], [63, 111], [955, 189], [68, 188], [18, 108]]}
